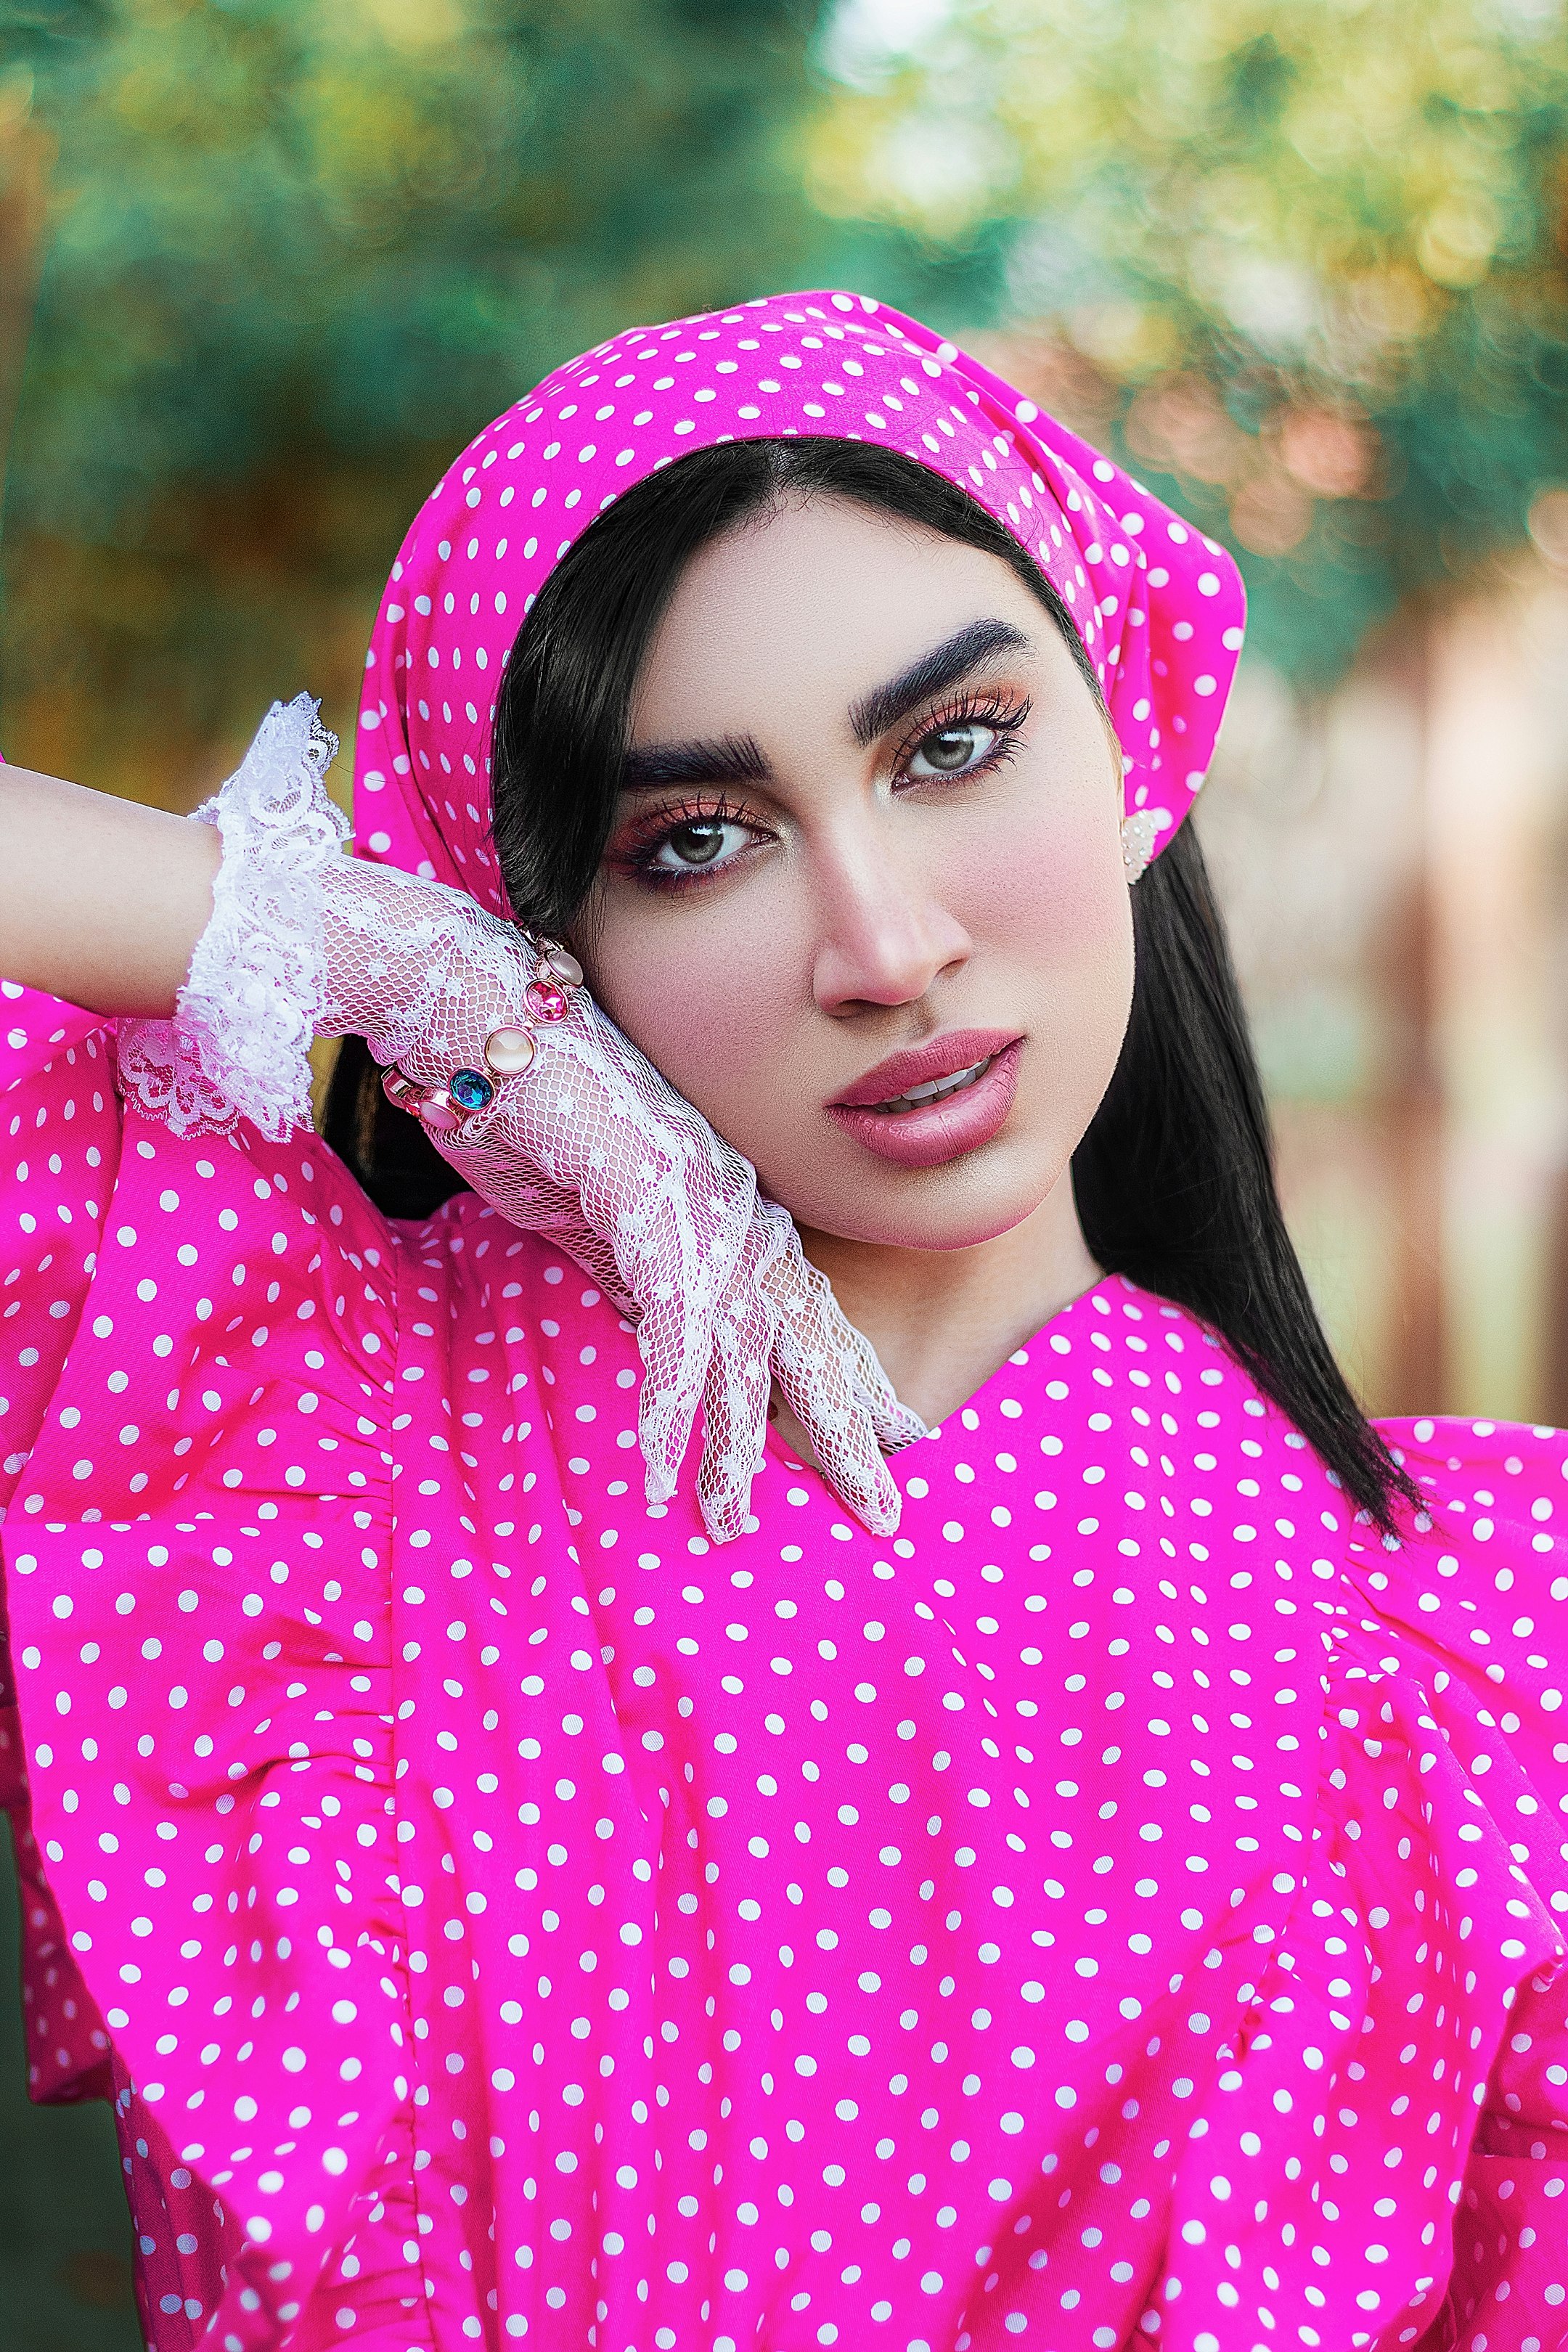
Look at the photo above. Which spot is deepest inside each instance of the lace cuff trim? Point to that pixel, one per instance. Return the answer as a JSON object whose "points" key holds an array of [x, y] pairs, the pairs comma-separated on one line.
{"points": [[239, 1044]]}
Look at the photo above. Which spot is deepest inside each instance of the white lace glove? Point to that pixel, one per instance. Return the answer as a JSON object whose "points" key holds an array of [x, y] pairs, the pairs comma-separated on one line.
{"points": [[573, 1133]]}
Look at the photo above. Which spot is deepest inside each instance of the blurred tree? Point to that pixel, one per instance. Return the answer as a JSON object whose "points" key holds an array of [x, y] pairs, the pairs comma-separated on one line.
{"points": [[300, 250], [1305, 259]]}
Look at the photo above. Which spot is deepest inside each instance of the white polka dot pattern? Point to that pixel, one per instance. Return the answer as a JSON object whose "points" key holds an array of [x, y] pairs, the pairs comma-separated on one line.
{"points": [[1158, 607], [1126, 1906]]}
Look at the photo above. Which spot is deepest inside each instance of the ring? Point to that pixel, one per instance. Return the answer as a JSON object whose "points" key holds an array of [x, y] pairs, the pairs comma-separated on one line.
{"points": [[508, 1050]]}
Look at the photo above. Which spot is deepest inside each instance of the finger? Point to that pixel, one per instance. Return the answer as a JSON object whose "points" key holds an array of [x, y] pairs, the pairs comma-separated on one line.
{"points": [[677, 1338], [735, 1418], [844, 1447], [812, 1365], [868, 1488], [667, 1409], [677, 1293], [805, 1296], [813, 1373], [896, 1424]]}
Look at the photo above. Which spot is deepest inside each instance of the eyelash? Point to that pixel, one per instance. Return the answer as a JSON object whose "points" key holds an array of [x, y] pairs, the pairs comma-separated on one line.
{"points": [[639, 853], [1005, 719]]}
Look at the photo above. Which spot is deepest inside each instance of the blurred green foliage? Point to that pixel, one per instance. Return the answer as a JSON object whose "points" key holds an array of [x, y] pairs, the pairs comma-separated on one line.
{"points": [[1305, 259], [299, 251], [1304, 264]]}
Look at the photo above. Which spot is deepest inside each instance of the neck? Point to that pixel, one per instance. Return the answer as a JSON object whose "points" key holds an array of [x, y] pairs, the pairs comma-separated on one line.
{"points": [[943, 1320]]}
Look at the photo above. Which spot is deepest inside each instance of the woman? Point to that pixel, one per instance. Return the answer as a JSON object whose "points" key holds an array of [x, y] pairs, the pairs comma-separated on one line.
{"points": [[1124, 1903]]}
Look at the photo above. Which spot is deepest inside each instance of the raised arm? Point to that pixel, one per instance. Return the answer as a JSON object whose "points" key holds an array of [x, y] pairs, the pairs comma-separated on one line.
{"points": [[255, 933], [100, 902]]}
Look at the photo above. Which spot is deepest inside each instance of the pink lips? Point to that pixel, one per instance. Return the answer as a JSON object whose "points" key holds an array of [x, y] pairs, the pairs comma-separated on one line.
{"points": [[937, 1131]]}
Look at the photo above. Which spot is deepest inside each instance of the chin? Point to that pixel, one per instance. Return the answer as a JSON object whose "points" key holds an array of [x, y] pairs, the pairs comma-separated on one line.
{"points": [[959, 1205]]}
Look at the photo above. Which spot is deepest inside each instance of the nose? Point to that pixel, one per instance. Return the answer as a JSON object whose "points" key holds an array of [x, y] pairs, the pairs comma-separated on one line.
{"points": [[885, 931]]}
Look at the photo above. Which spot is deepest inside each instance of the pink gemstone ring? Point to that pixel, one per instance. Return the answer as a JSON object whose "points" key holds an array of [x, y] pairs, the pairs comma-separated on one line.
{"points": [[546, 999], [508, 1050], [560, 961], [439, 1112]]}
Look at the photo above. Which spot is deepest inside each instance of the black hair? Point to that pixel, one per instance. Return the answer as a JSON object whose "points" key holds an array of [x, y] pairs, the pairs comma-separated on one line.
{"points": [[1174, 1178]]}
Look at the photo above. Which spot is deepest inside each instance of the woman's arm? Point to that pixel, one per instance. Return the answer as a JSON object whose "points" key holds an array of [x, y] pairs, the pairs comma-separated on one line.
{"points": [[100, 902], [255, 933]]}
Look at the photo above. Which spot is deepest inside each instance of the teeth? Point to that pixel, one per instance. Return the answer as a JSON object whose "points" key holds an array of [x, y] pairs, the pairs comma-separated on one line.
{"points": [[937, 1089]]}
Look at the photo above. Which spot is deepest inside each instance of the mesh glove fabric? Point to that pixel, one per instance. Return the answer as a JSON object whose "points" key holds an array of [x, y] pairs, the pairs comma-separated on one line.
{"points": [[589, 1144]]}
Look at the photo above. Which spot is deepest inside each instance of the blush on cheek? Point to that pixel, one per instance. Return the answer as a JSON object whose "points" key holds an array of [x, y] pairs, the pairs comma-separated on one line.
{"points": [[1060, 894], [717, 1015]]}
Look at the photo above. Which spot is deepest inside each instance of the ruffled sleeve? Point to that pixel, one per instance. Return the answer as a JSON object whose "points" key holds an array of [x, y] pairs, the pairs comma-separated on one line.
{"points": [[1482, 1591], [199, 1341], [1389, 2160], [238, 1043], [196, 1552], [59, 1154]]}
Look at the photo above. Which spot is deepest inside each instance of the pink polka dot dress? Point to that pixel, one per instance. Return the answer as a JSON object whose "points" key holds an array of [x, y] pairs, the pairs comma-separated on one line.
{"points": [[1125, 1907], [1128, 1906]]}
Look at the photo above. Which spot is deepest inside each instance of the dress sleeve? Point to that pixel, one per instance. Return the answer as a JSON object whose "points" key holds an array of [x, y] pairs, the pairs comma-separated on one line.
{"points": [[239, 1046], [60, 1157], [60, 1154], [1394, 2118], [238, 1043], [201, 1373], [1482, 1589]]}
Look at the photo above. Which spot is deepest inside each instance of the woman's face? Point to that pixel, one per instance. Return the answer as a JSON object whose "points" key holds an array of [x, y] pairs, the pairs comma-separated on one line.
{"points": [[864, 902]]}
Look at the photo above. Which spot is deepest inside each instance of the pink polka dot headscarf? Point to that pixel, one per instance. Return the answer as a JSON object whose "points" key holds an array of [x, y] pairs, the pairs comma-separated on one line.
{"points": [[1159, 608]]}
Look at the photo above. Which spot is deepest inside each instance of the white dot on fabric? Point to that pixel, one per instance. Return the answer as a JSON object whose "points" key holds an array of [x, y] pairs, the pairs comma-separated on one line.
{"points": [[768, 370], [507, 1916]]}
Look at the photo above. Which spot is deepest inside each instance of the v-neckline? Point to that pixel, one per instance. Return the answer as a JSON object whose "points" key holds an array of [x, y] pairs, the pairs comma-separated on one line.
{"points": [[907, 1458]]}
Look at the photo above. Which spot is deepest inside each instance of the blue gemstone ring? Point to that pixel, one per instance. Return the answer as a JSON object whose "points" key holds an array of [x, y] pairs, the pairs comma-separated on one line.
{"points": [[470, 1089]]}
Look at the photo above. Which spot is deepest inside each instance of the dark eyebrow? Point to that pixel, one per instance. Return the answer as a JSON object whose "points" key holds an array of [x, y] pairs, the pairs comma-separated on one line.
{"points": [[944, 665], [739, 759], [727, 760]]}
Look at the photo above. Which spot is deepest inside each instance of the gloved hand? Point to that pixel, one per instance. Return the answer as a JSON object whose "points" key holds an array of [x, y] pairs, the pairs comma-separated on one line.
{"points": [[547, 1111], [553, 1116]]}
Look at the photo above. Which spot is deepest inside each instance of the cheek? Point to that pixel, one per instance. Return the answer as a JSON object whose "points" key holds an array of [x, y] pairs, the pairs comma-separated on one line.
{"points": [[1063, 903], [1056, 914], [1050, 890], [707, 998]]}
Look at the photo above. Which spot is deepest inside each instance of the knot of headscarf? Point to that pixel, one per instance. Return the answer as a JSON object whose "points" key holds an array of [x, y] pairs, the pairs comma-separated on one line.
{"points": [[1159, 607]]}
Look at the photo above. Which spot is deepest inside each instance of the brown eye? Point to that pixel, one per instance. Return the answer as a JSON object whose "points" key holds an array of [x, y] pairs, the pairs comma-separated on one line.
{"points": [[698, 844], [949, 751], [701, 845]]}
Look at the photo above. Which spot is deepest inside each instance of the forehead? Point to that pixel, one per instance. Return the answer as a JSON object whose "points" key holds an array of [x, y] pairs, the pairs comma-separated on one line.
{"points": [[1158, 610], [819, 601]]}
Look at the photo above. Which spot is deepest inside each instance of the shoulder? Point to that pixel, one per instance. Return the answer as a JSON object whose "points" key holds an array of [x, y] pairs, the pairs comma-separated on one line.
{"points": [[523, 1284], [1161, 1372], [1515, 1465], [1490, 1541], [239, 1304]]}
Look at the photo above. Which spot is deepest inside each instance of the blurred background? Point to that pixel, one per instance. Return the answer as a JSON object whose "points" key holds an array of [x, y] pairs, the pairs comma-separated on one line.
{"points": [[1303, 264]]}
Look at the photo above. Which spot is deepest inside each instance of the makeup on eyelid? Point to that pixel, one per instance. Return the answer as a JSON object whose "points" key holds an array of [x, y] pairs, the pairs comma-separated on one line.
{"points": [[738, 760], [885, 821], [640, 845]]}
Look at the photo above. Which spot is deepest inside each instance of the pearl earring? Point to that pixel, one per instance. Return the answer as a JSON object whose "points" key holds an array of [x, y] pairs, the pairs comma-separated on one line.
{"points": [[1138, 830]]}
